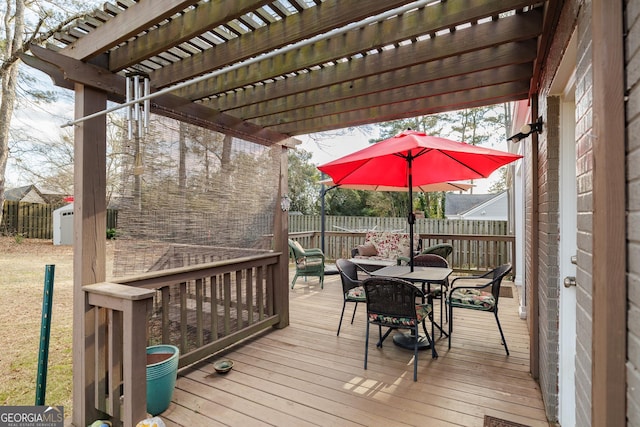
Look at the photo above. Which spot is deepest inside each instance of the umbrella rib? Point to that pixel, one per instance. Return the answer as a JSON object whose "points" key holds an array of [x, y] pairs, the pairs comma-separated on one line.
{"points": [[463, 164]]}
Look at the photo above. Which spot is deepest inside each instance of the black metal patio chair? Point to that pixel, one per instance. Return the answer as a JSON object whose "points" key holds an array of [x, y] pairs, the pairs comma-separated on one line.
{"points": [[438, 291], [392, 303], [482, 297], [352, 290]]}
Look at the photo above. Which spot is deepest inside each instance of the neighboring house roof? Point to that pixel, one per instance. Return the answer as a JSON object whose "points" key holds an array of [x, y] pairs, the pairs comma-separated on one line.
{"points": [[27, 193], [456, 204], [53, 197], [476, 206]]}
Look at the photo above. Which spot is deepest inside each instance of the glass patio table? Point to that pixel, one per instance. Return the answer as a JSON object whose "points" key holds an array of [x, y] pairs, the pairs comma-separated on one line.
{"points": [[425, 276]]}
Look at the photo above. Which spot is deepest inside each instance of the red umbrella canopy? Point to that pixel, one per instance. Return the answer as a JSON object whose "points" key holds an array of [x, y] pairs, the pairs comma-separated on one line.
{"points": [[430, 159]]}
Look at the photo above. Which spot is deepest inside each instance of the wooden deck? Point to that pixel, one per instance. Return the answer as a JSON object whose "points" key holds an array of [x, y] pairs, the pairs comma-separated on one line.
{"points": [[305, 375]]}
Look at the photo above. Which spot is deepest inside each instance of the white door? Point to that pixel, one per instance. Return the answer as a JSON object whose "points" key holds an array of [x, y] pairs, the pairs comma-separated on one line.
{"points": [[568, 248]]}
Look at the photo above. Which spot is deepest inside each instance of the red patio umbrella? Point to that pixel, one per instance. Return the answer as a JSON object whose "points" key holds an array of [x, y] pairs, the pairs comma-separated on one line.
{"points": [[412, 159]]}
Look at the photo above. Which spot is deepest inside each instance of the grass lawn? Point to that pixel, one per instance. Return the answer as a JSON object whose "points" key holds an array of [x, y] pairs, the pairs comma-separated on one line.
{"points": [[22, 269]]}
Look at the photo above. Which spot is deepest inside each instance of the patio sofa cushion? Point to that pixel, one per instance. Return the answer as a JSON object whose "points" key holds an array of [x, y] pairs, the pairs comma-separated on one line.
{"points": [[387, 244], [367, 249]]}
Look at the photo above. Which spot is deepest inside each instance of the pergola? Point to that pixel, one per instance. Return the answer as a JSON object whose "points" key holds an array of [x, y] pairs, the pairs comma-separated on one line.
{"points": [[268, 70]]}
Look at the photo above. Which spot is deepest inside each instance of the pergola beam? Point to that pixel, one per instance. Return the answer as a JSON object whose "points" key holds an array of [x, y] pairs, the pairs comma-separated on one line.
{"points": [[417, 92], [510, 29], [167, 105], [139, 17], [346, 80], [507, 92], [311, 22], [181, 29]]}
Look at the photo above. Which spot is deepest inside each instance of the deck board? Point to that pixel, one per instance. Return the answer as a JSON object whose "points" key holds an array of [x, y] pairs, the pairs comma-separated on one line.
{"points": [[305, 375]]}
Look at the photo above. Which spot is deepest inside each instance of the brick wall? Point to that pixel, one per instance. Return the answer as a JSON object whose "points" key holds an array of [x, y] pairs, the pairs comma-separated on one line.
{"points": [[548, 187], [632, 54]]}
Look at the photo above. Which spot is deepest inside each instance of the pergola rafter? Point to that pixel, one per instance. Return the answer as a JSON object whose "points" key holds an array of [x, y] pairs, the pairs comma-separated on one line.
{"points": [[408, 63]]}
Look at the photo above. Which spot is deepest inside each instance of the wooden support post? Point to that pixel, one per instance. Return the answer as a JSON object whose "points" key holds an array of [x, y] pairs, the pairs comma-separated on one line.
{"points": [[134, 304], [609, 297], [280, 236], [89, 242]]}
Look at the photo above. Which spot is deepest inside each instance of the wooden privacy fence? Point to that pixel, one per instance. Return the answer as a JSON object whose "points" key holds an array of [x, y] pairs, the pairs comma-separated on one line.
{"points": [[35, 220], [301, 223], [477, 245]]}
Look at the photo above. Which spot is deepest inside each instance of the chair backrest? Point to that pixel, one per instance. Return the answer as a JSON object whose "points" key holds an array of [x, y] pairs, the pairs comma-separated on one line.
{"points": [[430, 260], [497, 275], [390, 297], [297, 251], [348, 274], [442, 249]]}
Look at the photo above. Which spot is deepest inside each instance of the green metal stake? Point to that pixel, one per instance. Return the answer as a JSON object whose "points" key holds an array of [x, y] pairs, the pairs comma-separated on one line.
{"points": [[45, 333]]}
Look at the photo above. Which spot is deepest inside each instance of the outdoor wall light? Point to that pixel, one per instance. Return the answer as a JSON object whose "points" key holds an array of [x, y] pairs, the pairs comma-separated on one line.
{"points": [[285, 203], [527, 130]]}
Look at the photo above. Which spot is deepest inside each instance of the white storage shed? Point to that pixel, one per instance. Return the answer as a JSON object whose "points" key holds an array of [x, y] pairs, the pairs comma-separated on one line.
{"points": [[63, 225]]}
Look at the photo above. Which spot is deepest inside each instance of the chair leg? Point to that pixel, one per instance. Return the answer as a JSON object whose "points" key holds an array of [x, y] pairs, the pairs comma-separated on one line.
{"points": [[434, 353], [443, 296], [504, 342], [383, 337], [450, 323], [441, 304], [344, 304], [415, 355], [366, 346], [293, 282], [354, 312], [432, 342]]}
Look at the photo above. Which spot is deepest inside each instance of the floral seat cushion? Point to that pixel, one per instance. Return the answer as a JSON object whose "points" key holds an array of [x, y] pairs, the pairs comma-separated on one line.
{"points": [[422, 310], [473, 298], [356, 294]]}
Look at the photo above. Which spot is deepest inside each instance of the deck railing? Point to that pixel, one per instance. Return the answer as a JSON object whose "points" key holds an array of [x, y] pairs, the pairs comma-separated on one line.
{"points": [[471, 252], [201, 309]]}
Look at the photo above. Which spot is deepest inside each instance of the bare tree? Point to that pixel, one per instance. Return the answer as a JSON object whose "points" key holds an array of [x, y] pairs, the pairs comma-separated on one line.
{"points": [[18, 35]]}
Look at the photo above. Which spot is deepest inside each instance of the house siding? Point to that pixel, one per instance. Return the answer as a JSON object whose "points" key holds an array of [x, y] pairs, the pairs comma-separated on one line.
{"points": [[632, 55]]}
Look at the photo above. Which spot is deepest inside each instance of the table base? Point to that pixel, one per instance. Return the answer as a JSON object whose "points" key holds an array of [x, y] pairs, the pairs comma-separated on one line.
{"points": [[408, 340]]}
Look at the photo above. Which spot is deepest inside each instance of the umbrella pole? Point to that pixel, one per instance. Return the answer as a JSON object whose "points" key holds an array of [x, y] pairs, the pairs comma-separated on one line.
{"points": [[411, 218], [323, 193], [322, 224]]}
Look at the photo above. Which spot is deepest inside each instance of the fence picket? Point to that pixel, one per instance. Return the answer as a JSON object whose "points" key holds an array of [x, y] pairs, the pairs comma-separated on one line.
{"points": [[478, 244], [35, 220]]}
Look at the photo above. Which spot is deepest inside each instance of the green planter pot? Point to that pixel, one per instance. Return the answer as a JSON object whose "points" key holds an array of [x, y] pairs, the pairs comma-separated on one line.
{"points": [[162, 371]]}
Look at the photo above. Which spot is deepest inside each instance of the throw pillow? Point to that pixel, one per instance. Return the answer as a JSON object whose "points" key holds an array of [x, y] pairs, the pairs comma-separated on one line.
{"points": [[367, 250]]}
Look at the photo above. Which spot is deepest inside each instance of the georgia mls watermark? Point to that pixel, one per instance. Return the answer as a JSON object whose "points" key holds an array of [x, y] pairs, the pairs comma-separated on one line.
{"points": [[31, 416]]}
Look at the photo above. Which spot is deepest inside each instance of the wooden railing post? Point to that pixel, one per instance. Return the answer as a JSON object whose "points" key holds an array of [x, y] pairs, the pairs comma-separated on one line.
{"points": [[134, 304]]}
